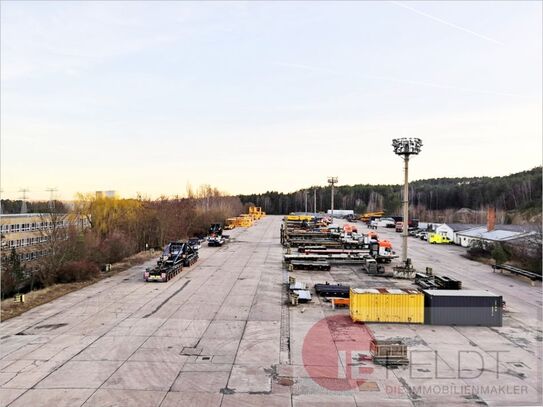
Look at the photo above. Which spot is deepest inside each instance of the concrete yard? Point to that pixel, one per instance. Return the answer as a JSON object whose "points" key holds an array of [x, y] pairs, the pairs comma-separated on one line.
{"points": [[221, 334]]}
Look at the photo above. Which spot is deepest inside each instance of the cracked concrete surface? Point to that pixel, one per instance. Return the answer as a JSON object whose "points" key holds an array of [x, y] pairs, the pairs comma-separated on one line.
{"points": [[219, 334]]}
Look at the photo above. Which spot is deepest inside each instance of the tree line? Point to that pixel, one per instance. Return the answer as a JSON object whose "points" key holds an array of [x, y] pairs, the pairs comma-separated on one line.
{"points": [[116, 229], [520, 191]]}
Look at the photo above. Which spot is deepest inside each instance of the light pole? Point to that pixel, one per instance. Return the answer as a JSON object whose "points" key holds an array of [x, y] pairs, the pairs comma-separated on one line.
{"points": [[405, 147], [332, 181]]}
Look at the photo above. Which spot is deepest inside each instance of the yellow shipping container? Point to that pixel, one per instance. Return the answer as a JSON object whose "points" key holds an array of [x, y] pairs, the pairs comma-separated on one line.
{"points": [[386, 305]]}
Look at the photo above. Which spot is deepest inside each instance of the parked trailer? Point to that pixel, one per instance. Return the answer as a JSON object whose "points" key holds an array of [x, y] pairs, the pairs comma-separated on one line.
{"points": [[162, 274], [323, 250], [332, 290], [315, 242], [332, 259], [171, 262], [310, 265]]}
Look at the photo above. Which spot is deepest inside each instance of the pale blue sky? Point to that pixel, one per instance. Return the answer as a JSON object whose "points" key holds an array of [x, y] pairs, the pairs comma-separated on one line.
{"points": [[249, 97]]}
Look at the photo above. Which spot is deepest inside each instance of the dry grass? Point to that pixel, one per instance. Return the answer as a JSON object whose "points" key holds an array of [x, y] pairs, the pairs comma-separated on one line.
{"points": [[10, 308]]}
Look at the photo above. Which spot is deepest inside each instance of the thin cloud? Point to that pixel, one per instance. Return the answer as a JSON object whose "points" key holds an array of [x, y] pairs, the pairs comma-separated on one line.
{"points": [[392, 79], [439, 20]]}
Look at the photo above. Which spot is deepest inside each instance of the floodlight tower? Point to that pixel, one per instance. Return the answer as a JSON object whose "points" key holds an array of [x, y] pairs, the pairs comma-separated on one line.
{"points": [[332, 181], [406, 147]]}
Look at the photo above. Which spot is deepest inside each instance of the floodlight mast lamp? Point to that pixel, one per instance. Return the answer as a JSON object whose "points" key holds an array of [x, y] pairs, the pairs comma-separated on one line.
{"points": [[332, 181], [405, 147]]}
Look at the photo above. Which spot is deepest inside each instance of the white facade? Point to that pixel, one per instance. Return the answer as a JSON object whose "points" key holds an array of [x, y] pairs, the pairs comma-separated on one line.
{"points": [[466, 237]]}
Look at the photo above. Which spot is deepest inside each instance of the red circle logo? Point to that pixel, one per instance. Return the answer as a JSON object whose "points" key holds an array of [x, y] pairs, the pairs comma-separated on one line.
{"points": [[335, 353]]}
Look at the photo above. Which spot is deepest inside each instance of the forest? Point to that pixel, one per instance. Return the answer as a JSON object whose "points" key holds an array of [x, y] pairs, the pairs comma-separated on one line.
{"points": [[519, 191]]}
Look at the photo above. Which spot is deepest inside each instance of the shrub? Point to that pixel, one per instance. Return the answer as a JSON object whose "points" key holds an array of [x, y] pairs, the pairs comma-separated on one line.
{"points": [[499, 254], [477, 249], [74, 271], [117, 247]]}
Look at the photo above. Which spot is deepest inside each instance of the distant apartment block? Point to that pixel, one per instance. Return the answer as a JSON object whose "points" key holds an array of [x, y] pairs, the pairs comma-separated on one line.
{"points": [[106, 194], [29, 234]]}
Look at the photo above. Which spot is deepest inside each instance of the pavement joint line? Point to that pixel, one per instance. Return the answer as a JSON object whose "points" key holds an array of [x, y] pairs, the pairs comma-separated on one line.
{"points": [[210, 321], [514, 329], [104, 281], [55, 335], [99, 337], [63, 363], [214, 253], [222, 303], [268, 228]]}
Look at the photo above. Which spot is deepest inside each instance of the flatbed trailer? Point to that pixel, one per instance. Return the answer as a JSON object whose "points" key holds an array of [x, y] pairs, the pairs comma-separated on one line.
{"points": [[332, 290], [315, 242], [310, 265], [335, 251], [332, 259]]}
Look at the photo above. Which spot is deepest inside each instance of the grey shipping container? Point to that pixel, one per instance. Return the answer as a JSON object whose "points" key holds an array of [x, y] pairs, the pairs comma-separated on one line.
{"points": [[462, 307]]}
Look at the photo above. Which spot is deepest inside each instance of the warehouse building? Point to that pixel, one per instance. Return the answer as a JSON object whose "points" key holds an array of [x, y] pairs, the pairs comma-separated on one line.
{"points": [[500, 234]]}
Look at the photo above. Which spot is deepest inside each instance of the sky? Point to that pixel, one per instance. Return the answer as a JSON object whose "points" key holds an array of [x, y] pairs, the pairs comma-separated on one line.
{"points": [[147, 97]]}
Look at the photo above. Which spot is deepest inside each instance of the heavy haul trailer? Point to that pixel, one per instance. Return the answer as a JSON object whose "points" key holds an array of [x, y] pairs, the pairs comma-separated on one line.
{"points": [[315, 242], [324, 250], [320, 265], [176, 255], [332, 259], [332, 290]]}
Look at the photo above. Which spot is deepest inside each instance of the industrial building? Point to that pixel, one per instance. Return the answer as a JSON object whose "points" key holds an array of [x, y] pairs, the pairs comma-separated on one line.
{"points": [[500, 234]]}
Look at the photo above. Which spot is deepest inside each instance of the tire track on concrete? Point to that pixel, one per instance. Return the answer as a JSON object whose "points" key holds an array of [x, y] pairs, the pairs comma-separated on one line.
{"points": [[104, 334], [215, 253], [167, 299]]}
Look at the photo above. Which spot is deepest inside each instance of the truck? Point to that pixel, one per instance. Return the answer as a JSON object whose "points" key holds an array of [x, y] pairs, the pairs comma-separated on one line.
{"points": [[175, 256], [381, 251], [216, 238], [436, 238]]}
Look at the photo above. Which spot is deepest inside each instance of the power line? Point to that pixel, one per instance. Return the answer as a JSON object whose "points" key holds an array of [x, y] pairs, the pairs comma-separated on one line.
{"points": [[24, 208], [51, 197]]}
